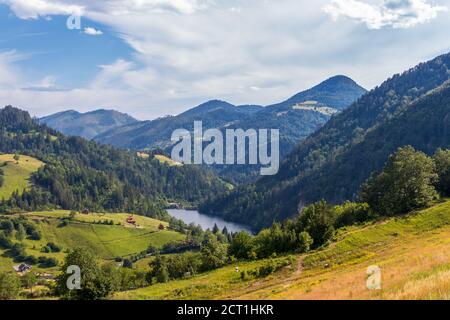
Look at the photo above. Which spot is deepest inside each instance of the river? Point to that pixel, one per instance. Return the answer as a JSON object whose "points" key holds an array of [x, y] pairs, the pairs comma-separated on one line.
{"points": [[206, 222]]}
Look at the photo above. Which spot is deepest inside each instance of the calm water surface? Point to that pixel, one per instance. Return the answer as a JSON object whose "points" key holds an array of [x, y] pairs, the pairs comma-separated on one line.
{"points": [[206, 222]]}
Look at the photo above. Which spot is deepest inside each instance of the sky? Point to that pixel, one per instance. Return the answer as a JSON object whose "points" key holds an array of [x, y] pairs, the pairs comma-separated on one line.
{"points": [[151, 58]]}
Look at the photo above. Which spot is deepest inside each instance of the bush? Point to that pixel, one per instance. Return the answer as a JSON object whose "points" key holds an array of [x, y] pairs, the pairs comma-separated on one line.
{"points": [[5, 243], [46, 249], [9, 286], [127, 263], [304, 242], [45, 262], [53, 247], [35, 235], [269, 268], [30, 260], [8, 227], [353, 213], [175, 266], [17, 250]]}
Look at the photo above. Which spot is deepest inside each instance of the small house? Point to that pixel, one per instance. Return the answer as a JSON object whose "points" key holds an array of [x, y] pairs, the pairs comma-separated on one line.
{"points": [[21, 268], [161, 227], [131, 220], [85, 211]]}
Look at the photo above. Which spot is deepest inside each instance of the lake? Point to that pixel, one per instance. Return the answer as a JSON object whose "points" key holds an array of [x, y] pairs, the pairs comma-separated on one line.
{"points": [[206, 222]]}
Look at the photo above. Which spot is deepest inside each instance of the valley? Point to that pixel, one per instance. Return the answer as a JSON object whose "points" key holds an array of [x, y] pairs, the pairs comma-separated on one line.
{"points": [[296, 118], [368, 189], [412, 252], [223, 157]]}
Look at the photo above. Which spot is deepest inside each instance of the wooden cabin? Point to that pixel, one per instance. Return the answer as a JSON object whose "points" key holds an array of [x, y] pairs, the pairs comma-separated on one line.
{"points": [[131, 220]]}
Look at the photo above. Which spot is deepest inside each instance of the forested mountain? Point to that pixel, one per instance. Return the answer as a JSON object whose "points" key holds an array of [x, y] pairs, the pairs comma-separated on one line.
{"points": [[157, 133], [412, 108], [338, 92], [296, 118], [82, 174], [89, 124]]}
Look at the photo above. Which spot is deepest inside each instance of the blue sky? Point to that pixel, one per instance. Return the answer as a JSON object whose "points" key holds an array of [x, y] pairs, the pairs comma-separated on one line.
{"points": [[50, 49], [151, 58]]}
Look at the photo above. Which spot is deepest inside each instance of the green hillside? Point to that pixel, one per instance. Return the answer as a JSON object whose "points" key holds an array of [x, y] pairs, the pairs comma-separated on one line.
{"points": [[107, 242], [412, 252], [16, 173], [81, 174], [408, 109]]}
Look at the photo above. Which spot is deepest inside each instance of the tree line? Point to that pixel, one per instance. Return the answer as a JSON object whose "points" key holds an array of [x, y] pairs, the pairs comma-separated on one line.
{"points": [[332, 163], [410, 180], [82, 174]]}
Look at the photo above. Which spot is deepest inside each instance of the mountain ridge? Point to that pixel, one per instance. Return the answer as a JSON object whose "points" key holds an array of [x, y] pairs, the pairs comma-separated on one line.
{"points": [[327, 164], [295, 124], [88, 124]]}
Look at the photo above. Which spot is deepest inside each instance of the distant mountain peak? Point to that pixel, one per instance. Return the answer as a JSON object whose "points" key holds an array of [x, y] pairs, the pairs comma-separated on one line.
{"points": [[208, 106], [88, 124], [337, 92], [339, 79]]}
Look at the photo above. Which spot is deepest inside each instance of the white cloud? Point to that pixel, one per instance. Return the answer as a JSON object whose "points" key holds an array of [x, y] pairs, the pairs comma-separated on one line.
{"points": [[9, 75], [32, 9], [186, 52], [92, 31], [389, 13]]}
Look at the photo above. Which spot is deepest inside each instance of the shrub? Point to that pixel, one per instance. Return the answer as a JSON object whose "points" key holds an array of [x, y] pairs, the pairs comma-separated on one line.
{"points": [[9, 286], [46, 262], [53, 247], [353, 213], [304, 242], [35, 235], [5, 243]]}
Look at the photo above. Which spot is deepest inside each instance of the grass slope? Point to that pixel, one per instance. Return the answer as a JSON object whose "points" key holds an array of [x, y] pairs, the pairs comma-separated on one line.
{"points": [[412, 251], [165, 160], [105, 241], [17, 173]]}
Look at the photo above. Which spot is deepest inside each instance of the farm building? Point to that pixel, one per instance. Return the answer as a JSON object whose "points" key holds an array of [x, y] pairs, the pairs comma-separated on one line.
{"points": [[131, 220], [22, 268]]}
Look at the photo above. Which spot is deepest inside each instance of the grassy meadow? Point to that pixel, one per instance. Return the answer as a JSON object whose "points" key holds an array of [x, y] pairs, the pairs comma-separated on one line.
{"points": [[106, 241], [412, 252], [17, 173]]}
